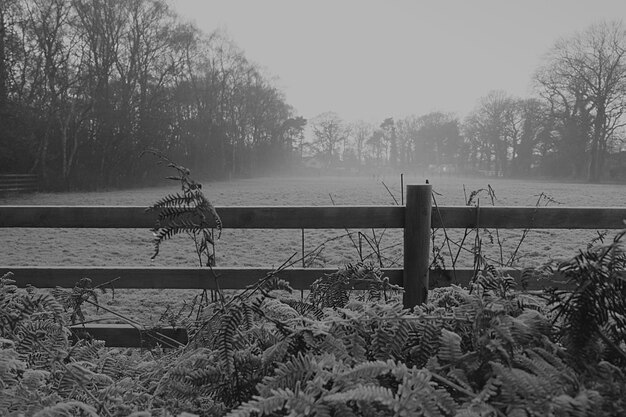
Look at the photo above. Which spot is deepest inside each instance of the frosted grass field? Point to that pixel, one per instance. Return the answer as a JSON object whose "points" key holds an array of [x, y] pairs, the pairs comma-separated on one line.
{"points": [[133, 247]]}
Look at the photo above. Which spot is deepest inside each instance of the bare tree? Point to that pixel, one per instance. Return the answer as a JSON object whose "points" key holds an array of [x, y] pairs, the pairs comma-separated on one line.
{"points": [[584, 76], [487, 129], [437, 138], [52, 23], [388, 128], [361, 132], [329, 130], [529, 128]]}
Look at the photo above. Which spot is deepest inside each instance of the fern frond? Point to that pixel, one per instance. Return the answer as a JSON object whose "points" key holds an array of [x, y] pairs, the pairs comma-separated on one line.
{"points": [[190, 212], [304, 308], [297, 370], [449, 347], [263, 405], [209, 375], [274, 283], [175, 201], [364, 373], [225, 340], [74, 376], [519, 385], [489, 390], [365, 393], [356, 345], [276, 352], [382, 341], [83, 351], [278, 310], [11, 366], [429, 337], [585, 404]]}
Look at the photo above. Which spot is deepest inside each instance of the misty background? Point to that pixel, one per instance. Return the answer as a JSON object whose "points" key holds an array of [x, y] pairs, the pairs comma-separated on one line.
{"points": [[242, 88]]}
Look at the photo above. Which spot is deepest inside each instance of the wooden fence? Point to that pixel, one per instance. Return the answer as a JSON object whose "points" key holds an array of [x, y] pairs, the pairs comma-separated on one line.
{"points": [[417, 218], [18, 183]]}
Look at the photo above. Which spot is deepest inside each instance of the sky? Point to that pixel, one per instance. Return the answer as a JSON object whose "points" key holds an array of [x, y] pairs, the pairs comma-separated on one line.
{"points": [[369, 60]]}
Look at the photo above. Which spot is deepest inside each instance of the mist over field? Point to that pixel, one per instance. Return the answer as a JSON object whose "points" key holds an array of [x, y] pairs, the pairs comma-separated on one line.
{"points": [[86, 88]]}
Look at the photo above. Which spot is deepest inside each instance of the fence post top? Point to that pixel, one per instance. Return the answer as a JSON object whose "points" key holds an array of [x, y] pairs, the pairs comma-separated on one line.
{"points": [[418, 187]]}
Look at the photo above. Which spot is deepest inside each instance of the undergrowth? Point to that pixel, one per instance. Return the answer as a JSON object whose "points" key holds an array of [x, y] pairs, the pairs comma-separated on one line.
{"points": [[348, 349]]}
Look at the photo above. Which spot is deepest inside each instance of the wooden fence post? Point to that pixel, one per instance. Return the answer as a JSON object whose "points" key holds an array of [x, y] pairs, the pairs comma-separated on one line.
{"points": [[416, 244]]}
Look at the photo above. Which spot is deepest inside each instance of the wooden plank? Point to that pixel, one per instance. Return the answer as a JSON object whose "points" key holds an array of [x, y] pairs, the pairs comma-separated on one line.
{"points": [[463, 276], [76, 217], [173, 278], [416, 244], [228, 278], [296, 217], [530, 217], [317, 217], [123, 335], [322, 217]]}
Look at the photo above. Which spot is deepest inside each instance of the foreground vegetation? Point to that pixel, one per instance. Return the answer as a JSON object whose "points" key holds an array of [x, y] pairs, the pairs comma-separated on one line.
{"points": [[348, 349], [480, 351]]}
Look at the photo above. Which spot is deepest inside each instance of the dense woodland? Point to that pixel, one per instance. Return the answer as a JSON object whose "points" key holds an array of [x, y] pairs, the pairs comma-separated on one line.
{"points": [[87, 85]]}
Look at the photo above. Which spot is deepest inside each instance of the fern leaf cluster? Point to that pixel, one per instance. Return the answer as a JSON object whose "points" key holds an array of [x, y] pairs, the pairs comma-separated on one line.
{"points": [[333, 290], [351, 349], [592, 317], [190, 213]]}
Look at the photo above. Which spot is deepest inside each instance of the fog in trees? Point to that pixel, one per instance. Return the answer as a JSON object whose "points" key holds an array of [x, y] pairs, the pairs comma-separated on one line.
{"points": [[87, 86]]}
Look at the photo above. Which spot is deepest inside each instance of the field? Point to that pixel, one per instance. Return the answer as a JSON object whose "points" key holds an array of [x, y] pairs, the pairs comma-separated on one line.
{"points": [[133, 247]]}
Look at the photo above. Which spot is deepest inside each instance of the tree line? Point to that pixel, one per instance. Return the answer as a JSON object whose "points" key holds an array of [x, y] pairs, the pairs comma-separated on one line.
{"points": [[572, 128], [87, 85]]}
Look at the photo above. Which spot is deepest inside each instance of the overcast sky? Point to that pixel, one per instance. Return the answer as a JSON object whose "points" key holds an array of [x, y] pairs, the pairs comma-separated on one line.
{"points": [[376, 59]]}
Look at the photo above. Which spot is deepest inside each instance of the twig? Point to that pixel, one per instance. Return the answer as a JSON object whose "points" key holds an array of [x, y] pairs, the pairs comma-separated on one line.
{"points": [[345, 228], [390, 193], [138, 326], [445, 234], [453, 385]]}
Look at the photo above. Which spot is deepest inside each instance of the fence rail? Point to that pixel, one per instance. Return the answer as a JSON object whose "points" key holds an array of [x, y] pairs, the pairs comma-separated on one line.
{"points": [[18, 183], [323, 217], [417, 219]]}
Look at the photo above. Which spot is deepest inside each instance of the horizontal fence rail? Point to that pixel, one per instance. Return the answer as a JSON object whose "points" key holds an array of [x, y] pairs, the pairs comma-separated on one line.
{"points": [[323, 217], [221, 278], [415, 277]]}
